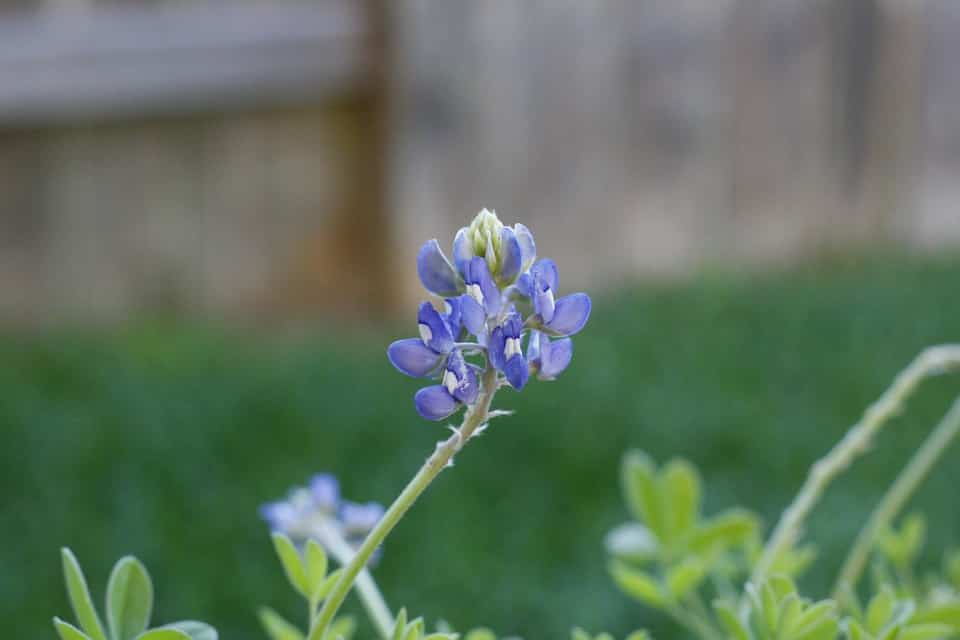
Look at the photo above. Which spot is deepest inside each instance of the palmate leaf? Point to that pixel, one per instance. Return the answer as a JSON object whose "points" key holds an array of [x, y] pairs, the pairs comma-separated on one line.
{"points": [[163, 633], [194, 629], [129, 599]]}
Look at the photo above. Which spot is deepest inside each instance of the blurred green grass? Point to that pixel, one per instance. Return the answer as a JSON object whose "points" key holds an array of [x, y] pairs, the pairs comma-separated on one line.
{"points": [[162, 441]]}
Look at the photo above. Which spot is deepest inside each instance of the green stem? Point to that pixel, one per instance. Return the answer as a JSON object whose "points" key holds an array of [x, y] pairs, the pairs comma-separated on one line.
{"points": [[370, 596], [931, 361], [897, 496], [476, 416]]}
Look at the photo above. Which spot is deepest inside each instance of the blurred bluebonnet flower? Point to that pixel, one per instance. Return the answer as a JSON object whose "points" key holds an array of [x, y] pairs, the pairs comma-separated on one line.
{"points": [[317, 511], [497, 296]]}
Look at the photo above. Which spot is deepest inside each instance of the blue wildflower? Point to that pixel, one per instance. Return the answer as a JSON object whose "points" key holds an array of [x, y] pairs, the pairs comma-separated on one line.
{"points": [[318, 512], [493, 277]]}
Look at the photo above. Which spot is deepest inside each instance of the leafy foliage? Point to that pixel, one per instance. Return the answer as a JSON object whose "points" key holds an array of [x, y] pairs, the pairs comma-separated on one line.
{"points": [[129, 605]]}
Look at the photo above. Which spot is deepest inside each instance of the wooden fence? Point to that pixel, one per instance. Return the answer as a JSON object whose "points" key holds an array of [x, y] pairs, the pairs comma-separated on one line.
{"points": [[290, 157]]}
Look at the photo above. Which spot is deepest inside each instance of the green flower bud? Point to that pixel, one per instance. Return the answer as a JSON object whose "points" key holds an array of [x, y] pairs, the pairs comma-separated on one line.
{"points": [[483, 235]]}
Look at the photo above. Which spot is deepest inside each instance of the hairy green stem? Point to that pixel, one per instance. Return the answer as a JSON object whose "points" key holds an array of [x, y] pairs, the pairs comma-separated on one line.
{"points": [[897, 496], [931, 361], [475, 418], [370, 596]]}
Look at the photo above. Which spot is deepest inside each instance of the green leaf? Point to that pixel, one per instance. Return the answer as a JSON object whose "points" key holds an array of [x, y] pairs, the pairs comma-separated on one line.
{"points": [[638, 584], [441, 635], [400, 625], [639, 635], [327, 584], [292, 564], [129, 599], [947, 613], [414, 630], [80, 596], [194, 629], [685, 577], [681, 485], [857, 632], [163, 634], [276, 627], [642, 491], [342, 627], [67, 631], [480, 634], [729, 529], [879, 611], [731, 622], [926, 632], [826, 629], [814, 616], [579, 634], [315, 559]]}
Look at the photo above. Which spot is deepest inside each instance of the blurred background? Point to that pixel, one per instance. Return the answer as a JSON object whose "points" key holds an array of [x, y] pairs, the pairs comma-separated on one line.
{"points": [[209, 213]]}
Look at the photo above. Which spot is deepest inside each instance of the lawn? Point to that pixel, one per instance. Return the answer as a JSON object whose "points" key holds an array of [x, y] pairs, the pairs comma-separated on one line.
{"points": [[162, 441]]}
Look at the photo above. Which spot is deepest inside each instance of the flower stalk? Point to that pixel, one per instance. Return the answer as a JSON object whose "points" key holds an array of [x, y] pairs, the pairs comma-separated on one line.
{"points": [[932, 361], [910, 478], [441, 458]]}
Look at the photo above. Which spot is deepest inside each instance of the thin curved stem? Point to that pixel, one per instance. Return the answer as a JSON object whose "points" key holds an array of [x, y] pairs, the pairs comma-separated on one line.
{"points": [[897, 496], [367, 589], [930, 362], [441, 458]]}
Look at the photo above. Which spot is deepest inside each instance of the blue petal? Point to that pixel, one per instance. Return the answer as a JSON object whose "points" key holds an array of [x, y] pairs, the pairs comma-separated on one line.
{"points": [[359, 519], [436, 273], [512, 255], [478, 273], [278, 515], [325, 491], [435, 403], [412, 357], [513, 325], [495, 348], [533, 347], [467, 388], [434, 329], [517, 371], [525, 284], [555, 357], [572, 312], [462, 251], [543, 300], [528, 248], [546, 270], [453, 316], [474, 317]]}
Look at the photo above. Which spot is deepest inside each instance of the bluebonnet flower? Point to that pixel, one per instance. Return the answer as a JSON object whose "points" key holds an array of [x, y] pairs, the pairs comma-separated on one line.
{"points": [[317, 511], [498, 294]]}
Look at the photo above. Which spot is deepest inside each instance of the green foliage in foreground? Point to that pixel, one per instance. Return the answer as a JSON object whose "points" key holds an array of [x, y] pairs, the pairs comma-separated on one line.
{"points": [[164, 442]]}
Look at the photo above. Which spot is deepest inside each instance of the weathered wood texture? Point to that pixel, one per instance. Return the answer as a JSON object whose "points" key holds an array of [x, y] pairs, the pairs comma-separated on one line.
{"points": [[651, 137]]}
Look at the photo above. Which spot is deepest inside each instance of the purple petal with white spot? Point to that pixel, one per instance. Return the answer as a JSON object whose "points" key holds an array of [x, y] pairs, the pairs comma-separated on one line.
{"points": [[543, 300], [437, 333], [555, 356], [571, 314], [462, 251], [517, 371], [435, 403], [528, 248], [325, 491], [467, 387], [478, 273], [512, 255], [412, 357], [474, 317], [453, 316], [533, 347], [546, 270], [435, 271]]}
